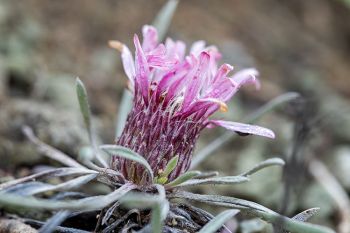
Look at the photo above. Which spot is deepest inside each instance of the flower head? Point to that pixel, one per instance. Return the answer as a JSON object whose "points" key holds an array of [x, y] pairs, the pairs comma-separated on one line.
{"points": [[174, 96]]}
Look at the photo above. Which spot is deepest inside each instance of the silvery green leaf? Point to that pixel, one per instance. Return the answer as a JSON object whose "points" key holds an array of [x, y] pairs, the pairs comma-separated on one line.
{"points": [[68, 185], [252, 226], [54, 221], [205, 175], [89, 203], [306, 214], [47, 174], [159, 213], [216, 223], [85, 110], [125, 108], [264, 164], [255, 210], [230, 202], [183, 178], [225, 180], [126, 153], [226, 137], [163, 18], [139, 200], [57, 228], [84, 106], [158, 204], [292, 225], [26, 189]]}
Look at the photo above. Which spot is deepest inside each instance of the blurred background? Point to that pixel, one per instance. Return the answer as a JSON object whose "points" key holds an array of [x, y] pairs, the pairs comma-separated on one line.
{"points": [[301, 46]]}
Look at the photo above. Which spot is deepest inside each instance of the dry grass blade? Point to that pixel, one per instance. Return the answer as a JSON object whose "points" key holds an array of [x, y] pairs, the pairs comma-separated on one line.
{"points": [[49, 151]]}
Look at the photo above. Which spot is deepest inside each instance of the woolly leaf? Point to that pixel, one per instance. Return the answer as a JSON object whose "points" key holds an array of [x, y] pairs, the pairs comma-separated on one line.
{"points": [[126, 153], [84, 106], [306, 214], [163, 18], [225, 180], [89, 203], [54, 221], [123, 111], [183, 178], [216, 223], [170, 166], [264, 164]]}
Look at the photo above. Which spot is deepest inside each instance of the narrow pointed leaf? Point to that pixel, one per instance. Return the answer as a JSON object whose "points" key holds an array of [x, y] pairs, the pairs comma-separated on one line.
{"points": [[84, 106], [126, 153], [47, 174], [306, 214], [54, 221], [123, 111], [292, 225], [264, 164], [89, 203], [68, 185], [224, 201], [163, 18], [85, 110], [183, 178], [217, 222], [225, 180], [170, 166]]}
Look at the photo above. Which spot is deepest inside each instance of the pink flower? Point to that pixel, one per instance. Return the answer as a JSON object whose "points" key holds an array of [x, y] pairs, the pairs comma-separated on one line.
{"points": [[174, 96]]}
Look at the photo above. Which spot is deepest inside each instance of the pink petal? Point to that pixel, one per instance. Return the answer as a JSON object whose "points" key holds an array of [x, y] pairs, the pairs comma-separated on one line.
{"points": [[175, 49], [150, 38], [197, 47], [242, 128], [197, 80], [142, 69], [128, 64], [246, 76]]}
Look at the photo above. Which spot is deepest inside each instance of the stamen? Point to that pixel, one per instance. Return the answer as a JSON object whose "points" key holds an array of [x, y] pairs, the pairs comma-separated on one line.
{"points": [[223, 106], [116, 45]]}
